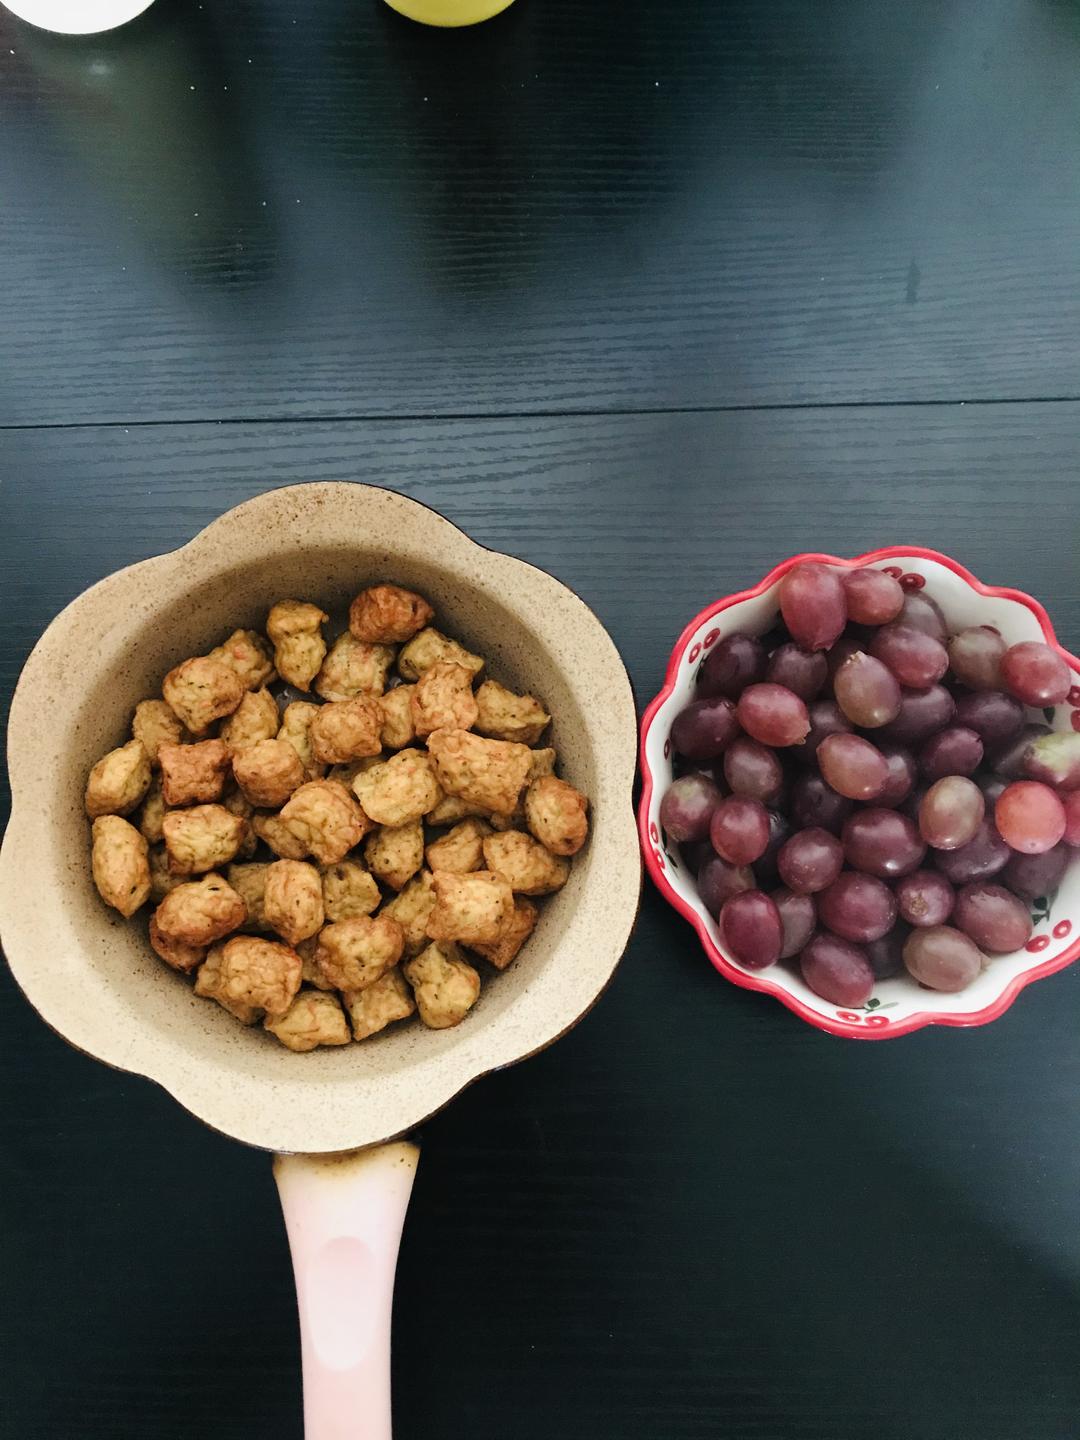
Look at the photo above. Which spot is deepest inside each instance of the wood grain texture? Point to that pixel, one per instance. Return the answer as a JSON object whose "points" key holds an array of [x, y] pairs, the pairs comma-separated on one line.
{"points": [[250, 208], [695, 1216]]}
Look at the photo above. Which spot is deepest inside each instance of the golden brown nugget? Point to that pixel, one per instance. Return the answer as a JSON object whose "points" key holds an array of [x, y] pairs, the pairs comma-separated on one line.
{"points": [[388, 615], [208, 985], [251, 972], [398, 790], [296, 722], [411, 910], [506, 716], [445, 985], [326, 820], [268, 772], [346, 730], [443, 699], [295, 628], [353, 668], [162, 881], [353, 954], [273, 831], [397, 727], [200, 911], [380, 1005], [395, 853], [514, 934], [119, 780], [460, 849], [530, 868], [431, 647], [451, 809], [309, 972], [313, 1019], [487, 773], [204, 837], [557, 815], [153, 723], [349, 890], [470, 908], [175, 953], [293, 900], [200, 691], [121, 864], [151, 813], [248, 655], [193, 774], [255, 718], [249, 882], [542, 763]]}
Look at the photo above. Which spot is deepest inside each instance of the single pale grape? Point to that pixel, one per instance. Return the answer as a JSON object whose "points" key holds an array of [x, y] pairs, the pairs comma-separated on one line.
{"points": [[1035, 674], [857, 907], [803, 672], [837, 970], [1071, 804], [813, 605], [866, 691], [984, 855], [815, 802], [753, 770], [942, 958], [956, 750], [975, 656], [766, 871], [915, 658], [1030, 817], [883, 843], [853, 767], [873, 598], [1054, 759], [739, 829], [826, 718], [750, 928], [921, 713], [687, 807], [735, 662], [994, 716], [993, 917], [950, 812], [925, 898], [717, 881], [704, 729], [1009, 758], [810, 860], [1034, 877], [922, 612], [901, 777], [798, 918], [773, 714], [886, 953]]}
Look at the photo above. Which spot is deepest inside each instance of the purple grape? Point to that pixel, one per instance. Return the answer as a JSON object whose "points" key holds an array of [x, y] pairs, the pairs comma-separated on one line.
{"points": [[1008, 759], [1054, 759], [798, 918], [956, 750], [975, 656], [866, 691], [739, 829], [704, 729], [942, 958], [951, 812], [873, 598], [886, 953], [837, 970], [810, 860], [994, 918], [882, 843], [696, 853], [923, 613], [843, 650], [911, 803], [813, 605], [803, 672], [857, 907], [766, 871], [984, 855], [925, 898], [1035, 674], [826, 718], [736, 661], [994, 716], [915, 658], [687, 807], [901, 777], [921, 713], [1035, 876], [773, 715], [717, 881], [753, 770], [814, 802], [750, 928], [853, 767]]}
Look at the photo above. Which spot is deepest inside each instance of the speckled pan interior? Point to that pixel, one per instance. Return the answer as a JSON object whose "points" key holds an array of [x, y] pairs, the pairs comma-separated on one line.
{"points": [[92, 975]]}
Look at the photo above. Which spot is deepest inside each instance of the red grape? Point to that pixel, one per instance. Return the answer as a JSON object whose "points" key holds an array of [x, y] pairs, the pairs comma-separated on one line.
{"points": [[853, 767], [815, 802], [750, 928], [810, 860], [942, 958], [739, 830], [994, 716], [882, 843], [994, 918], [687, 808], [753, 770], [813, 605], [866, 691], [704, 729], [857, 907], [737, 661], [925, 898], [975, 656], [1035, 674], [950, 812], [886, 954], [1071, 803], [956, 750], [1030, 817], [837, 970], [803, 672], [772, 714], [1054, 759], [717, 881], [766, 872], [1009, 758], [1035, 876], [798, 918], [902, 773], [826, 718], [921, 713], [923, 613], [873, 598], [916, 659], [984, 855]]}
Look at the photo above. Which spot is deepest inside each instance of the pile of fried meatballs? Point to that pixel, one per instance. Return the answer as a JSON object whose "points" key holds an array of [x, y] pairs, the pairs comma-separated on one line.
{"points": [[335, 866]]}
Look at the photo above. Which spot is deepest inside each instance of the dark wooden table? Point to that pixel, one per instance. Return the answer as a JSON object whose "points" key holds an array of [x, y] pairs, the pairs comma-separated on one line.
{"points": [[651, 294]]}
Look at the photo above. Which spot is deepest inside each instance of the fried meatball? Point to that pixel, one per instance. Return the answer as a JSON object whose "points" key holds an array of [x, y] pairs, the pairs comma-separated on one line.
{"points": [[411, 910], [506, 716], [154, 723], [193, 774], [346, 730], [557, 815], [432, 647], [313, 1019], [295, 628], [349, 890], [397, 727], [399, 790], [273, 831], [202, 690], [268, 772], [120, 861], [513, 936], [460, 849], [151, 813], [118, 781], [296, 729], [530, 868], [202, 838], [445, 985], [255, 718], [388, 615], [353, 668], [443, 699], [293, 900], [175, 953], [309, 973], [208, 985], [326, 819], [469, 908], [200, 911], [487, 773], [373, 1009], [248, 655], [251, 972], [249, 882], [395, 853], [353, 954]]}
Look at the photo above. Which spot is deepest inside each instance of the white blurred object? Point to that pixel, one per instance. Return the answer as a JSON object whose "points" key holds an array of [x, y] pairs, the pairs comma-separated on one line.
{"points": [[77, 17]]}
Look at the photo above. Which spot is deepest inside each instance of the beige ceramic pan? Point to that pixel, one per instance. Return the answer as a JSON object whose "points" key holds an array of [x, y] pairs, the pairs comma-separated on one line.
{"points": [[94, 979]]}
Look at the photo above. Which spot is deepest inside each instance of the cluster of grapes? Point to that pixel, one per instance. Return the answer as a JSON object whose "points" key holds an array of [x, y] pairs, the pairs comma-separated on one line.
{"points": [[841, 830]]}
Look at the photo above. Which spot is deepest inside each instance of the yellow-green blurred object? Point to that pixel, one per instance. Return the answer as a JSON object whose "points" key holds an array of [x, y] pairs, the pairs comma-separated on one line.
{"points": [[449, 12]]}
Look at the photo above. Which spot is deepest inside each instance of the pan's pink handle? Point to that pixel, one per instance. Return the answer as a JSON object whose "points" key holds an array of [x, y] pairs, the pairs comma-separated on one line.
{"points": [[344, 1215]]}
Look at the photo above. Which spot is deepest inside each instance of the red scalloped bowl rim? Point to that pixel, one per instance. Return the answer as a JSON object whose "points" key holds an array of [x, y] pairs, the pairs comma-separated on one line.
{"points": [[760, 981]]}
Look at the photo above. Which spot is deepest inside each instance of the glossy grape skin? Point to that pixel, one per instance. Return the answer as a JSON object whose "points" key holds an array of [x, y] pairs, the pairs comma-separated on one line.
{"points": [[886, 954], [853, 767], [866, 691], [921, 713], [766, 872], [956, 750], [994, 716], [751, 929], [925, 898], [951, 812], [883, 843], [1035, 674], [975, 656], [826, 718], [810, 860], [739, 829], [984, 855], [942, 958], [916, 659], [901, 777], [857, 907], [837, 970], [1010, 758], [735, 662], [922, 612], [773, 715], [753, 770], [1035, 876], [798, 917], [717, 881], [813, 605], [1030, 817], [1071, 804], [873, 598], [1054, 759], [993, 917], [815, 802], [687, 807], [803, 672], [704, 729]]}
